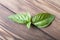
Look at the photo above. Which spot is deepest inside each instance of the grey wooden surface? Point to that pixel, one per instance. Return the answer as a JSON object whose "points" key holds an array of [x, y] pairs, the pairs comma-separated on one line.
{"points": [[13, 31]]}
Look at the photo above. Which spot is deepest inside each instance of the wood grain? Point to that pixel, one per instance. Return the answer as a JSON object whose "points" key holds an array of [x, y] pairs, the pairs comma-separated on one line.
{"points": [[19, 31], [34, 7]]}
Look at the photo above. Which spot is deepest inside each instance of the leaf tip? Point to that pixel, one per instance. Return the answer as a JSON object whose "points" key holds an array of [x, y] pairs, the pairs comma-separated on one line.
{"points": [[28, 25]]}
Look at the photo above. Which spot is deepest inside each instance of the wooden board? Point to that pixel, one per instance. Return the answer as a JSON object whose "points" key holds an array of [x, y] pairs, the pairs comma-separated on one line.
{"points": [[19, 31], [9, 7]]}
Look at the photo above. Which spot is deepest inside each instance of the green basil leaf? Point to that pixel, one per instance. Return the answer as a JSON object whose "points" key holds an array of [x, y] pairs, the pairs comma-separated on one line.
{"points": [[22, 18], [28, 25], [42, 20]]}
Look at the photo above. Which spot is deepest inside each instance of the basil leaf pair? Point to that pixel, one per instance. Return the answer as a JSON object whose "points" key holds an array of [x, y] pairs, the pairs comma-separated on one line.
{"points": [[40, 20]]}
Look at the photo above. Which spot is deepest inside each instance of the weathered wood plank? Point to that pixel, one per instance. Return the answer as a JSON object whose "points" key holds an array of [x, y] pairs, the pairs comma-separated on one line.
{"points": [[5, 35], [20, 31], [20, 6], [54, 28], [36, 6]]}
